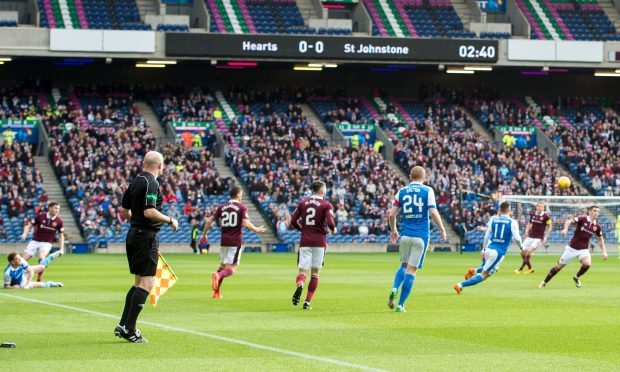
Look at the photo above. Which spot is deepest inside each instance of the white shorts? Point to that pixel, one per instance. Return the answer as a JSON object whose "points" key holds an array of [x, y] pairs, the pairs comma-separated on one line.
{"points": [[531, 243], [230, 255], [34, 247], [492, 260], [412, 251], [570, 254], [310, 257]]}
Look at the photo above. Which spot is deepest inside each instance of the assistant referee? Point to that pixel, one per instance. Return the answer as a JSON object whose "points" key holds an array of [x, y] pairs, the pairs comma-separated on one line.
{"points": [[141, 206]]}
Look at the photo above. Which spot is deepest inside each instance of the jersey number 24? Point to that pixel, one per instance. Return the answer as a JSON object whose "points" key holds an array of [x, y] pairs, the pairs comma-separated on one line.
{"points": [[409, 200]]}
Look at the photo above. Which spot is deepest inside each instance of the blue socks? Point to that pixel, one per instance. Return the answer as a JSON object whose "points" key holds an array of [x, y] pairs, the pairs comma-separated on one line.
{"points": [[407, 286], [479, 269], [471, 281], [48, 284], [399, 277]]}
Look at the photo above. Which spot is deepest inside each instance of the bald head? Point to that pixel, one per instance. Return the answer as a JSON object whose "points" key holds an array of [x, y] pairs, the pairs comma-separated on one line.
{"points": [[153, 162], [417, 174]]}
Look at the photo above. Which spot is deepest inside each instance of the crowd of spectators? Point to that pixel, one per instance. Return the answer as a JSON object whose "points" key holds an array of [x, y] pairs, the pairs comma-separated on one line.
{"points": [[280, 153]]}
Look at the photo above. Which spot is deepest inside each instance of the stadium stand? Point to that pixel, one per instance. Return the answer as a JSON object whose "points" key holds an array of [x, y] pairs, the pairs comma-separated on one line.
{"points": [[416, 18], [567, 20], [94, 181], [584, 129], [269, 126], [21, 189], [92, 14], [263, 17]]}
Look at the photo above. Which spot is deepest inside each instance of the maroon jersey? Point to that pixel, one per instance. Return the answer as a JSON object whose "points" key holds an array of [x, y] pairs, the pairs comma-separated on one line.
{"points": [[231, 215], [45, 227], [539, 225], [316, 216], [584, 230]]}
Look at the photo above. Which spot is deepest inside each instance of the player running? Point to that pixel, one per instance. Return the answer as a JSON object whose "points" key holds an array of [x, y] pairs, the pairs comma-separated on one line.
{"points": [[18, 274], [317, 216], [233, 216], [45, 227], [501, 231], [417, 202], [586, 227], [536, 234]]}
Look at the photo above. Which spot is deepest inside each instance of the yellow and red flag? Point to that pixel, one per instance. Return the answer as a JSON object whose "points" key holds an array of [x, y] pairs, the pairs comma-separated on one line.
{"points": [[164, 279]]}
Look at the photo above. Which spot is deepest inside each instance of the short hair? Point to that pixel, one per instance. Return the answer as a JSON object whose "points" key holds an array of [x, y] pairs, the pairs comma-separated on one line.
{"points": [[504, 207], [592, 207], [234, 191], [11, 256], [317, 186], [417, 173], [52, 205]]}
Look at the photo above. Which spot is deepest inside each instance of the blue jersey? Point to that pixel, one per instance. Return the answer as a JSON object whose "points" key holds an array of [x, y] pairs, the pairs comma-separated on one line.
{"points": [[501, 230], [14, 276], [415, 202]]}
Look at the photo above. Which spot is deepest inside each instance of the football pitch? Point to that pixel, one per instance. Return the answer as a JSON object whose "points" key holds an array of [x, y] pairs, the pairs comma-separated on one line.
{"points": [[505, 323]]}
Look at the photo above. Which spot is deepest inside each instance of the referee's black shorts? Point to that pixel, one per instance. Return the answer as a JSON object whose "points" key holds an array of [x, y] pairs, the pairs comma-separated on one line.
{"points": [[142, 251]]}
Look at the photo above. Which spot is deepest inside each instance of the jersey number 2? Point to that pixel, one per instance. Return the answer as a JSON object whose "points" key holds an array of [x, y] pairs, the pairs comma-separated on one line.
{"points": [[229, 219], [310, 214], [408, 201]]}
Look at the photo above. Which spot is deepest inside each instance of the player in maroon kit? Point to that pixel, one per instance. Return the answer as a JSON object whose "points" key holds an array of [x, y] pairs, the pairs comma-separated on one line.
{"points": [[233, 216], [45, 227], [316, 215], [536, 234], [586, 227]]}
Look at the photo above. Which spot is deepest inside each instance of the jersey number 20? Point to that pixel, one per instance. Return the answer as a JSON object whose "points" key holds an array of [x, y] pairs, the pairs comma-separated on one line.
{"points": [[229, 219]]}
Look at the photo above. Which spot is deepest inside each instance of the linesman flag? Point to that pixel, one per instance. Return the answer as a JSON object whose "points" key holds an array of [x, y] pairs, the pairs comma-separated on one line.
{"points": [[164, 279]]}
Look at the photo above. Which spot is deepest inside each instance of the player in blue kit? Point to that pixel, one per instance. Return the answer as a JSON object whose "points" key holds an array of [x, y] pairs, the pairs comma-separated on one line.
{"points": [[501, 231], [417, 203], [18, 274]]}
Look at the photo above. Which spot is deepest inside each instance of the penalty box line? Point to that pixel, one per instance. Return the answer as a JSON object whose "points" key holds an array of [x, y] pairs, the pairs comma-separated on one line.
{"points": [[202, 334]]}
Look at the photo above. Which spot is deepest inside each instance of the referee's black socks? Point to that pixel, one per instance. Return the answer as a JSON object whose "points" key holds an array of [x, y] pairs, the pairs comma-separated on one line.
{"points": [[127, 306], [137, 303]]}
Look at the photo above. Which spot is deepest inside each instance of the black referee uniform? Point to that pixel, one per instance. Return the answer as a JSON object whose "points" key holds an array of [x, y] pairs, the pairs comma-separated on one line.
{"points": [[142, 249], [142, 243]]}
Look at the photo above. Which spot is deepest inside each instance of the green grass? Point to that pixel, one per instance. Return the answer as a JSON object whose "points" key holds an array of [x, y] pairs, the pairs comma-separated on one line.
{"points": [[506, 323]]}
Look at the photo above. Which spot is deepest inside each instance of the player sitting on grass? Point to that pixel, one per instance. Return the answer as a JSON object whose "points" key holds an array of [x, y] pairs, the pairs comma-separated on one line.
{"points": [[18, 274], [586, 226], [501, 230]]}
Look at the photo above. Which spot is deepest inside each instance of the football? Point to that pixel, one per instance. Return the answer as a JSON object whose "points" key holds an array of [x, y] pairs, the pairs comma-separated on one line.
{"points": [[564, 183]]}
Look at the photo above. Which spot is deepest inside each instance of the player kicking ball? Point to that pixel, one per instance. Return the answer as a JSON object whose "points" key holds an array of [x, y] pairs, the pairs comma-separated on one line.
{"points": [[18, 274], [313, 216], [45, 227], [585, 228], [233, 216], [501, 231], [536, 234]]}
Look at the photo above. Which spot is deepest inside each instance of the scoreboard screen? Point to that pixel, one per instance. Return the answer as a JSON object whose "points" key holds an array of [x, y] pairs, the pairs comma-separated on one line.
{"points": [[333, 48]]}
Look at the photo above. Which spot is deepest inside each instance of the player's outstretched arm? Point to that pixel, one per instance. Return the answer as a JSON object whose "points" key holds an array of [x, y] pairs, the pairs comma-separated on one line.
{"points": [[527, 229], [436, 217], [547, 231], [295, 219], [601, 242], [392, 222], [249, 225], [27, 228], [207, 227], [567, 226], [61, 242], [516, 235]]}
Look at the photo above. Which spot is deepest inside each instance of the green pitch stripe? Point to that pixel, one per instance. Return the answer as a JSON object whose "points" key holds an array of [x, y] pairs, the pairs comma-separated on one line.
{"points": [[202, 334]]}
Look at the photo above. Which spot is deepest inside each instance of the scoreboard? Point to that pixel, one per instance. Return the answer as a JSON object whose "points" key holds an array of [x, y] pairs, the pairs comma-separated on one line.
{"points": [[333, 48]]}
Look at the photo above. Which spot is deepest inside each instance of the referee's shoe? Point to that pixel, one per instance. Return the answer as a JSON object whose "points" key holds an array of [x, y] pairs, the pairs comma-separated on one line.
{"points": [[135, 337]]}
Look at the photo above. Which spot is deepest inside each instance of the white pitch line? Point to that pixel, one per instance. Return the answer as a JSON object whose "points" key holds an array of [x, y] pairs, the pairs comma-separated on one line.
{"points": [[203, 334]]}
